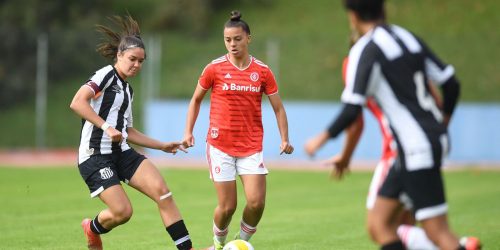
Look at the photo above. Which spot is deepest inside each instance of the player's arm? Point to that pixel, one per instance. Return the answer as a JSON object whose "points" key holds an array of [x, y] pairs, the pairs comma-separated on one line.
{"points": [[451, 93], [81, 106], [442, 75], [341, 161], [349, 113], [138, 138], [192, 115], [279, 111]]}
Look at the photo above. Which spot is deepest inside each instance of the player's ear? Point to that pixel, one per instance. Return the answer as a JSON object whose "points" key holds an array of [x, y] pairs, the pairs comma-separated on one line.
{"points": [[249, 39]]}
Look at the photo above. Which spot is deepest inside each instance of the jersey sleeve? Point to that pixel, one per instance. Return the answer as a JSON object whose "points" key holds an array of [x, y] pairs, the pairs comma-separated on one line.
{"points": [[206, 79], [99, 81], [270, 87], [358, 74], [437, 71]]}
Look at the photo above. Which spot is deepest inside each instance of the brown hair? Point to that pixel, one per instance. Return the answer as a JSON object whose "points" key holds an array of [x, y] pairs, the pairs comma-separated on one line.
{"points": [[115, 42], [236, 21]]}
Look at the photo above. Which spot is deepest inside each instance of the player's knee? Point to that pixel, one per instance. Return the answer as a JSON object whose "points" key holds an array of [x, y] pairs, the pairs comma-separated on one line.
{"points": [[256, 204], [122, 214], [227, 209], [370, 227]]}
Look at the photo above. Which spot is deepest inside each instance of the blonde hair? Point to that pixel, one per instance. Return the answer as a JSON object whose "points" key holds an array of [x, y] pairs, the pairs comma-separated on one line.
{"points": [[114, 42]]}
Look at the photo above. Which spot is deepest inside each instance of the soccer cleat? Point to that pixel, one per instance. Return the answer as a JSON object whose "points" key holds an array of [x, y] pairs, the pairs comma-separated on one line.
{"points": [[237, 236], [470, 243], [93, 240], [217, 245]]}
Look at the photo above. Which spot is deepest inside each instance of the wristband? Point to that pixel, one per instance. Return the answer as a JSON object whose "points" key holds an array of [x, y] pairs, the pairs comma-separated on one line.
{"points": [[105, 126]]}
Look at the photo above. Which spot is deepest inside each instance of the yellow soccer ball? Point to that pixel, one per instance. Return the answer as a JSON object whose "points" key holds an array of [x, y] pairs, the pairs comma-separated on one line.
{"points": [[238, 245]]}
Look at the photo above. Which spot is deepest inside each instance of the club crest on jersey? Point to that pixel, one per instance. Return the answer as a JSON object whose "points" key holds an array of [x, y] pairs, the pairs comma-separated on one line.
{"points": [[106, 173], [254, 76], [214, 132]]}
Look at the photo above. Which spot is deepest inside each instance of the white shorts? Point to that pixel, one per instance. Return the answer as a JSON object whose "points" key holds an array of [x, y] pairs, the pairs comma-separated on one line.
{"points": [[224, 167], [379, 176]]}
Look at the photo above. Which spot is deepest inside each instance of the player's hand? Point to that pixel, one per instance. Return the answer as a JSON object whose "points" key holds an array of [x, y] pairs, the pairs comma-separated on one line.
{"points": [[340, 166], [115, 135], [188, 141], [286, 148], [173, 147], [314, 144]]}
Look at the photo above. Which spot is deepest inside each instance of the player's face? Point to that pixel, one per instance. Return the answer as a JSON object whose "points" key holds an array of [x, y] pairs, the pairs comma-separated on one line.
{"points": [[236, 41], [129, 62]]}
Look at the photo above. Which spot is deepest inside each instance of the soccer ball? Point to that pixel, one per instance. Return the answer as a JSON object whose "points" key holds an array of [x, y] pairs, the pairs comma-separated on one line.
{"points": [[238, 245]]}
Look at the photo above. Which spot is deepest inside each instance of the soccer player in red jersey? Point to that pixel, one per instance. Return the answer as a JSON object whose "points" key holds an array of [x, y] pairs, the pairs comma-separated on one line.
{"points": [[234, 141]]}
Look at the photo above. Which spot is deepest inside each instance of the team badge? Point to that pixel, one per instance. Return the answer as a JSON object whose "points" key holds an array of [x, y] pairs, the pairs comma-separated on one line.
{"points": [[214, 132], [254, 76], [106, 173]]}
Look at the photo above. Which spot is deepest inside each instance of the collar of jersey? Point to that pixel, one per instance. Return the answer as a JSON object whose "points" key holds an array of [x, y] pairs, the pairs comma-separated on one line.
{"points": [[243, 69]]}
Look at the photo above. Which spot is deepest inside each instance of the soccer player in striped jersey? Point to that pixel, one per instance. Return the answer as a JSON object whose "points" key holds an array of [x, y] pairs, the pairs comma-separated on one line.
{"points": [[392, 65], [234, 141], [413, 237], [105, 158]]}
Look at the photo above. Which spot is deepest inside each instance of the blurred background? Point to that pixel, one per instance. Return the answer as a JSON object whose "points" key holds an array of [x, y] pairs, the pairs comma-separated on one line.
{"points": [[48, 52]]}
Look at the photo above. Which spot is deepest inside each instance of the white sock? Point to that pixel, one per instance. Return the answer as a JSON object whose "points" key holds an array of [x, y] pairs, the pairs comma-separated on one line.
{"points": [[246, 231], [415, 238], [220, 234]]}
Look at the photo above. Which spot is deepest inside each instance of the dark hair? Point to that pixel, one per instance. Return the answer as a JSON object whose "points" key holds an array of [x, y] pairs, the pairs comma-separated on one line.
{"points": [[129, 37], [367, 10], [235, 21]]}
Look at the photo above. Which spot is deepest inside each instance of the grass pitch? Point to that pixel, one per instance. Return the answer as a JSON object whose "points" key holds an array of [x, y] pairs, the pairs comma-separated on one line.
{"points": [[43, 208]]}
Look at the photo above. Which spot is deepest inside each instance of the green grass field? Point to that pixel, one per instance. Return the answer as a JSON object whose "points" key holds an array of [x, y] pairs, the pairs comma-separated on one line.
{"points": [[42, 209]]}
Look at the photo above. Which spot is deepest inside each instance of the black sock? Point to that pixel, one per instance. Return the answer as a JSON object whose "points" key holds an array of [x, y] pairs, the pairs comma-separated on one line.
{"points": [[396, 245], [180, 235], [97, 228]]}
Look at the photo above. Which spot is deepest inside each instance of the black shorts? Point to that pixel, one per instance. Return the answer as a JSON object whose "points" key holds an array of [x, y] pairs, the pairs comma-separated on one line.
{"points": [[103, 171], [423, 189]]}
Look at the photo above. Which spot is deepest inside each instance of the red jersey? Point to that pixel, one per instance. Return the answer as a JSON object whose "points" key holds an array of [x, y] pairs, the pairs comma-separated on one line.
{"points": [[388, 144], [235, 104]]}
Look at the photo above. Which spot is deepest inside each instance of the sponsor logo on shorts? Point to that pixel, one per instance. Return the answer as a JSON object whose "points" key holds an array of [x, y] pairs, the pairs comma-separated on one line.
{"points": [[106, 173], [214, 132], [261, 165], [217, 170]]}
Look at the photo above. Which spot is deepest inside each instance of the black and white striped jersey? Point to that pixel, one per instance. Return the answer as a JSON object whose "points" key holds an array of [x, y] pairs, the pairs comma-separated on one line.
{"points": [[393, 66], [113, 103]]}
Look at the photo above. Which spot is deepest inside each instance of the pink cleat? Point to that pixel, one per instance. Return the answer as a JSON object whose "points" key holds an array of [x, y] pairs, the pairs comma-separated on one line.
{"points": [[470, 243], [93, 240]]}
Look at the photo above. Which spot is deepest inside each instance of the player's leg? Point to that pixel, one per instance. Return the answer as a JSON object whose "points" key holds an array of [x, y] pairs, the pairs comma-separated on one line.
{"points": [[255, 193], [223, 213], [118, 211], [413, 237], [253, 176], [430, 206], [148, 180], [381, 224], [223, 173], [100, 175]]}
